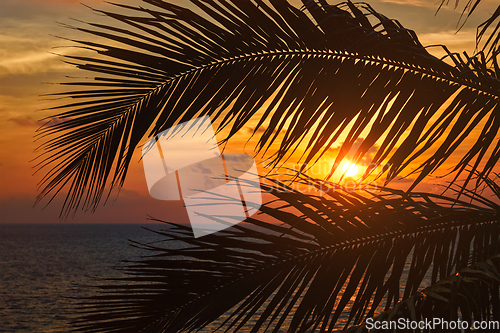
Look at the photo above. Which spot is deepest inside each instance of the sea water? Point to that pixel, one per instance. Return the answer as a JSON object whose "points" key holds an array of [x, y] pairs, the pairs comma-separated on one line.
{"points": [[43, 266]]}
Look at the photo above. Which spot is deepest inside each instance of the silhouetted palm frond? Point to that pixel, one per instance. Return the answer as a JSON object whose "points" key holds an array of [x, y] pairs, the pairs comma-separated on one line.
{"points": [[472, 294], [467, 11], [301, 264], [492, 43], [309, 76]]}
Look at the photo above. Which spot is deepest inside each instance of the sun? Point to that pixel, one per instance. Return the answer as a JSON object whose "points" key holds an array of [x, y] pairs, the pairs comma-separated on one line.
{"points": [[349, 169]]}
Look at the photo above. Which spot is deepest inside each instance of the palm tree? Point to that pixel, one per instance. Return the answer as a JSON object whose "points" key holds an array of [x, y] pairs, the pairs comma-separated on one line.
{"points": [[317, 73], [344, 64], [335, 257]]}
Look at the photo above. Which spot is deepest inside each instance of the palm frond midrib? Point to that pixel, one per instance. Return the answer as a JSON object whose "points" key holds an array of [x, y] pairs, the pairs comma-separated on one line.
{"points": [[452, 75], [199, 81], [367, 59]]}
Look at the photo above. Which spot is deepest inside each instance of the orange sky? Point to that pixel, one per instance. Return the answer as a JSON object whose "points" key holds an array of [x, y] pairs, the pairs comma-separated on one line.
{"points": [[27, 69]]}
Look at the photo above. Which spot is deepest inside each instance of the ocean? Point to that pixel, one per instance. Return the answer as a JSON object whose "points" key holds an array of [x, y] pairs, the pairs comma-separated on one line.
{"points": [[44, 266], [41, 265]]}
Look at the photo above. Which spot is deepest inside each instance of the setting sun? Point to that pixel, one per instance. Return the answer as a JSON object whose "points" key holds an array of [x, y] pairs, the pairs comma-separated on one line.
{"points": [[349, 169], [247, 165]]}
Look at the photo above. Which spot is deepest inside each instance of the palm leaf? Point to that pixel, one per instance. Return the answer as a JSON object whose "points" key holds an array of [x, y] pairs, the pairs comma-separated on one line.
{"points": [[308, 72], [467, 11], [472, 294], [301, 264], [491, 46]]}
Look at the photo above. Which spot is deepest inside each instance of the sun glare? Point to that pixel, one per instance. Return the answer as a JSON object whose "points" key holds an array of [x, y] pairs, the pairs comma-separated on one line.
{"points": [[349, 169]]}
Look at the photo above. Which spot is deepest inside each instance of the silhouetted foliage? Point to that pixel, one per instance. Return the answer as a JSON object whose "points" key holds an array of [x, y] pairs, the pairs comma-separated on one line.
{"points": [[310, 75], [324, 65], [299, 264]]}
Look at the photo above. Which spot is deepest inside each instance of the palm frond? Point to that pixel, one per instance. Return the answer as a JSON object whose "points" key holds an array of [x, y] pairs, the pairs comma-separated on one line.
{"points": [[299, 265], [309, 72], [467, 11], [491, 46], [472, 294]]}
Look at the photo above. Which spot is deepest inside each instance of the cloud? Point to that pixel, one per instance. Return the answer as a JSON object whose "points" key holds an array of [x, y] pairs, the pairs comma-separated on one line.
{"points": [[418, 3], [262, 129], [238, 158], [403, 180], [27, 30], [29, 62], [366, 159], [73, 2], [55, 121], [200, 168], [25, 121], [454, 41]]}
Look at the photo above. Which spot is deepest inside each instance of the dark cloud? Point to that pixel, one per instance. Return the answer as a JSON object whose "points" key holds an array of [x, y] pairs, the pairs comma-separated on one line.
{"points": [[262, 129], [25, 121], [236, 157], [56, 121], [403, 180], [366, 159], [200, 168]]}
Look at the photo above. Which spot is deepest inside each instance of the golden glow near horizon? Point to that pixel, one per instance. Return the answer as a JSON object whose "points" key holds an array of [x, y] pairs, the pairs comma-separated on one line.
{"points": [[349, 169]]}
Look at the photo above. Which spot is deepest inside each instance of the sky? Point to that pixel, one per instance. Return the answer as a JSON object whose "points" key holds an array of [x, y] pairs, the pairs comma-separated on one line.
{"points": [[29, 37]]}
